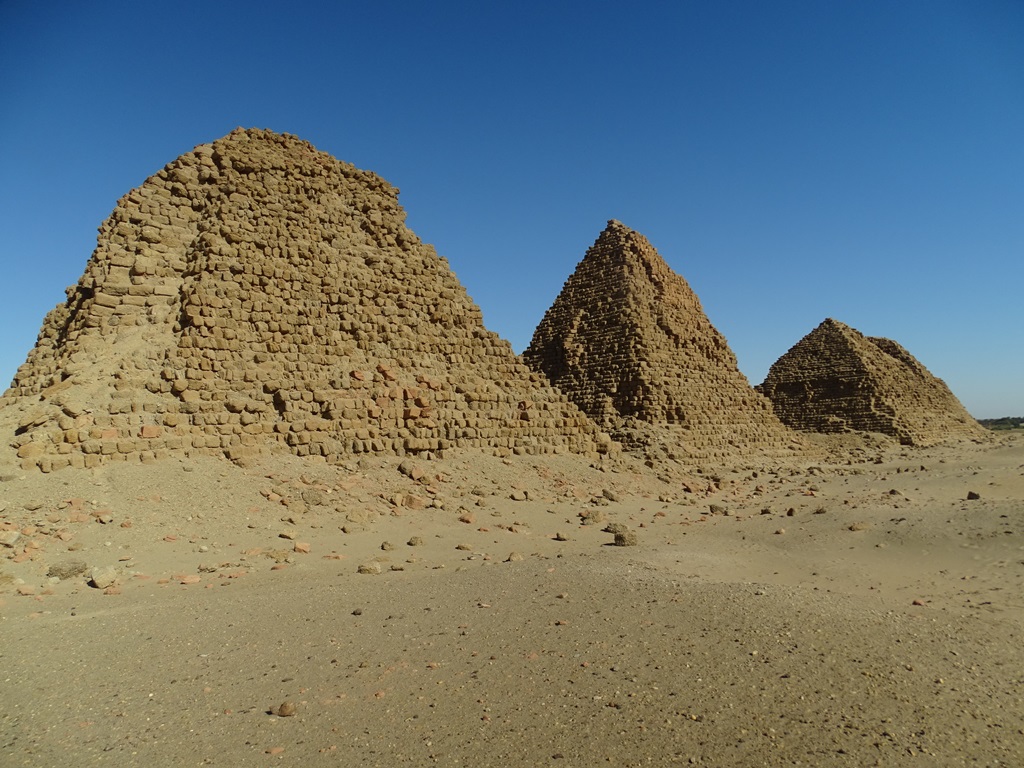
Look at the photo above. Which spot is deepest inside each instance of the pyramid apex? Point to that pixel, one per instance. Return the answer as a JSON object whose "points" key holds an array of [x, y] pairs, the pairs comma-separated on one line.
{"points": [[617, 230], [619, 244], [831, 322]]}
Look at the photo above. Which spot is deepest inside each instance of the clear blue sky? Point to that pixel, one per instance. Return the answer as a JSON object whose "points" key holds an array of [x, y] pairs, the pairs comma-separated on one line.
{"points": [[860, 159]]}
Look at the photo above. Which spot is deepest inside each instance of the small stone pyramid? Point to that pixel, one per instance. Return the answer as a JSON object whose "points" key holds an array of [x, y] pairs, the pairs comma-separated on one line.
{"points": [[628, 341], [835, 379], [255, 293]]}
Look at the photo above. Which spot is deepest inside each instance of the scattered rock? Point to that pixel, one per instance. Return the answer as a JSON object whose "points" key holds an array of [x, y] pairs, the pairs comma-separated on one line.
{"points": [[973, 495], [314, 497], [625, 538], [519, 495], [369, 568], [295, 506], [65, 569], [611, 495], [412, 470], [278, 555], [9, 538], [412, 501], [102, 577], [415, 541], [513, 557], [359, 516], [286, 709]]}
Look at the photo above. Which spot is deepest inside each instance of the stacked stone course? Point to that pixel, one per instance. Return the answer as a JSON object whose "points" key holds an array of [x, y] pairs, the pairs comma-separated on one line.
{"points": [[835, 379], [628, 341], [257, 292]]}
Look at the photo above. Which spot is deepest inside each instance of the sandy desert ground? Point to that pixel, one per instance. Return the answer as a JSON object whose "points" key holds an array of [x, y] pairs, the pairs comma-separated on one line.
{"points": [[853, 612]]}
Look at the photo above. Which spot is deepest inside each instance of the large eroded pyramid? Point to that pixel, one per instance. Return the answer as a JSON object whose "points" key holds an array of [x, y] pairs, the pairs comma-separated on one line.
{"points": [[837, 379], [628, 341], [257, 292]]}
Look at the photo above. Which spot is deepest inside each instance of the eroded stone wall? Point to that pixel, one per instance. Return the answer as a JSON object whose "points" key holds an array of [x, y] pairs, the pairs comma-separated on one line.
{"points": [[255, 293]]}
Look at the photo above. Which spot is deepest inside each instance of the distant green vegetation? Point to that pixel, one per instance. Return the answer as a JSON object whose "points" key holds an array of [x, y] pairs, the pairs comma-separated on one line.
{"points": [[1006, 422]]}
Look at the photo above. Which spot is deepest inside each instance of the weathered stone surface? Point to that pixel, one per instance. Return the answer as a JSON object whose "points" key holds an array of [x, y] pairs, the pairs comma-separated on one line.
{"points": [[835, 379], [287, 709], [257, 293], [105, 576], [66, 569], [628, 341], [625, 539]]}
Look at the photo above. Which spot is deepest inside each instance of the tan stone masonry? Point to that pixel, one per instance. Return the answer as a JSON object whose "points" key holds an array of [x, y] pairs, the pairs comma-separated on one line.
{"points": [[836, 379], [628, 341], [257, 293]]}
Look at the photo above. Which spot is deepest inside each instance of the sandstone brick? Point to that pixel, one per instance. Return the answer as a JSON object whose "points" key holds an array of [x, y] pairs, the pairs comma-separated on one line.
{"points": [[31, 451]]}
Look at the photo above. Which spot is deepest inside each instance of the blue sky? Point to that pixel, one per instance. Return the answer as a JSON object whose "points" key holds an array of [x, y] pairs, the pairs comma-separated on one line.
{"points": [[792, 160]]}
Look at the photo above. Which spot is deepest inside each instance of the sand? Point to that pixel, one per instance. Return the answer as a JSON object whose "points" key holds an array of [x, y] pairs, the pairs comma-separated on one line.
{"points": [[876, 623]]}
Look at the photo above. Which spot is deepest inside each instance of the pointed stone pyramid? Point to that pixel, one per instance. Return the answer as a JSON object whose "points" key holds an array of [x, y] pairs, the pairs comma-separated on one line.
{"points": [[628, 341], [255, 293], [836, 379]]}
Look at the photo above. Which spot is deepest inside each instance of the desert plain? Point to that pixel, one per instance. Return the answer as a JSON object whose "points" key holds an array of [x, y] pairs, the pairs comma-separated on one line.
{"points": [[272, 494], [474, 610]]}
